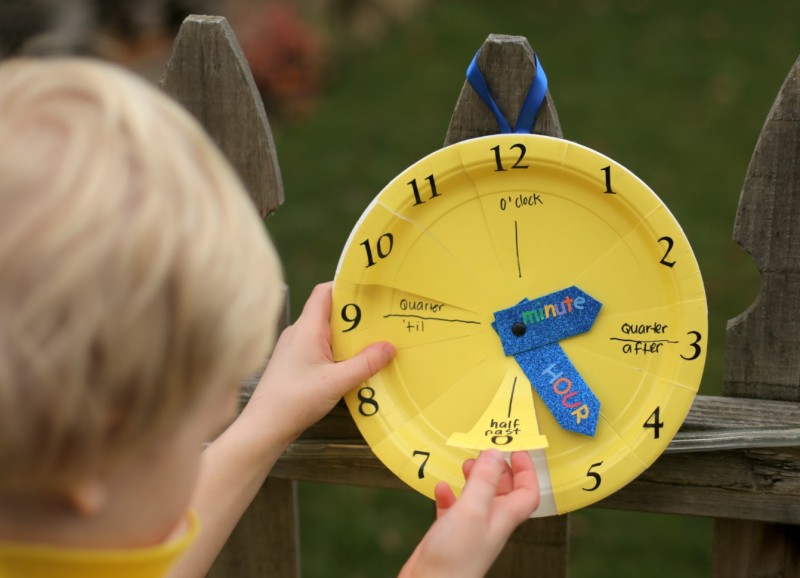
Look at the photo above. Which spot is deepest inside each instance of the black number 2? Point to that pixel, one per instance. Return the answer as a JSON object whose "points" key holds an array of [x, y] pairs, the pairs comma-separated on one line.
{"points": [[670, 244]]}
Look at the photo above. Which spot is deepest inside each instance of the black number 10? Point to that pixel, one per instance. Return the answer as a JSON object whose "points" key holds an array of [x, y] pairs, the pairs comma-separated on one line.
{"points": [[382, 248]]}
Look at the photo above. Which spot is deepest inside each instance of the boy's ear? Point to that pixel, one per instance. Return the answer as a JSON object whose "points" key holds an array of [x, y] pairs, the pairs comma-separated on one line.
{"points": [[88, 497]]}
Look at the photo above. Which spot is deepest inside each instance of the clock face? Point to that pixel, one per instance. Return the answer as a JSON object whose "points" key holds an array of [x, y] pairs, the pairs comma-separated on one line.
{"points": [[541, 298]]}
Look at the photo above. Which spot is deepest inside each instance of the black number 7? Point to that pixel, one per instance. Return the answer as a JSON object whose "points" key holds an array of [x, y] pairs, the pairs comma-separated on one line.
{"points": [[421, 472]]}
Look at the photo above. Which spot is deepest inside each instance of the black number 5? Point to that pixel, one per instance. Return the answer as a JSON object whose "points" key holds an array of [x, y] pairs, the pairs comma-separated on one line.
{"points": [[595, 477]]}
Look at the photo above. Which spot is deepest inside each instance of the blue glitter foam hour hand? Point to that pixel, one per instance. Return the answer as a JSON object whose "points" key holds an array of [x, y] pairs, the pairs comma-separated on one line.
{"points": [[562, 389], [531, 330]]}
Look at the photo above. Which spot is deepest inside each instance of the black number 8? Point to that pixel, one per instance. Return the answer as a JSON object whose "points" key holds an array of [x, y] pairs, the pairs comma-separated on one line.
{"points": [[367, 405]]}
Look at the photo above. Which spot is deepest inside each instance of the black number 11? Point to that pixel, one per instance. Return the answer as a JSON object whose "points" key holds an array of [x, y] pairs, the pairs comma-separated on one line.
{"points": [[415, 188]]}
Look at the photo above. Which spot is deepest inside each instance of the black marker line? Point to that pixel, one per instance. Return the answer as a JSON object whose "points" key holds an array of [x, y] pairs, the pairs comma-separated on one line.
{"points": [[516, 246], [431, 318], [511, 401], [642, 340]]}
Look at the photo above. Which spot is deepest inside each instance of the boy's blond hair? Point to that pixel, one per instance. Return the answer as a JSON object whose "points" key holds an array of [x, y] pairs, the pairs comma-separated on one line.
{"points": [[135, 274]]}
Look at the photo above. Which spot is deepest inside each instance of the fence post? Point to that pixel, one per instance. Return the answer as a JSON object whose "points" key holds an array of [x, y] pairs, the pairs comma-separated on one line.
{"points": [[208, 74], [763, 344], [540, 546]]}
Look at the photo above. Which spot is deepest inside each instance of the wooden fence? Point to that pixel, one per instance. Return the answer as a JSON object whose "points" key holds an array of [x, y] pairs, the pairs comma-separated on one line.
{"points": [[737, 457]]}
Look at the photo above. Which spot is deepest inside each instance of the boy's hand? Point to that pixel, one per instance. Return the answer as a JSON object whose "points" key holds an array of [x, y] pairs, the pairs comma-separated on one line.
{"points": [[470, 531], [302, 383]]}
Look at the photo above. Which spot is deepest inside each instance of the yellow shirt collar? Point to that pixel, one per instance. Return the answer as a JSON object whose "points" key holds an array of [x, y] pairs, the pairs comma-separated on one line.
{"points": [[19, 560]]}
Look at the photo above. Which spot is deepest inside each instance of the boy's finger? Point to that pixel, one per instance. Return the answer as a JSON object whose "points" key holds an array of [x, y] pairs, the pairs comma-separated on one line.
{"points": [[369, 361], [484, 477], [523, 471], [525, 497], [444, 496], [467, 466], [318, 304]]}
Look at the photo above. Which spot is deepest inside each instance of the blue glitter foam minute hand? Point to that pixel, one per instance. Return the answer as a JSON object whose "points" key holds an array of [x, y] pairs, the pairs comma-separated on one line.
{"points": [[531, 330]]}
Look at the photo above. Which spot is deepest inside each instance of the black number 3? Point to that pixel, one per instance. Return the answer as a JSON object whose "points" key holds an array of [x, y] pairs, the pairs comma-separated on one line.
{"points": [[695, 345]]}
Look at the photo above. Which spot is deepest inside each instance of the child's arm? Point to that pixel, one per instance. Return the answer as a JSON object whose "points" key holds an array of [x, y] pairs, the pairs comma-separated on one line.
{"points": [[300, 385], [470, 532]]}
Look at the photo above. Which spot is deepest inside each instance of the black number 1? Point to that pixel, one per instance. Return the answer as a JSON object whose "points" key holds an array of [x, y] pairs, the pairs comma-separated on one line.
{"points": [[609, 190]]}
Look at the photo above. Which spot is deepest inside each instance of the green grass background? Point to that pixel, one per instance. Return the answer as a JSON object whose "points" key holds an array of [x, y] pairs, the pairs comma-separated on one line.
{"points": [[676, 91]]}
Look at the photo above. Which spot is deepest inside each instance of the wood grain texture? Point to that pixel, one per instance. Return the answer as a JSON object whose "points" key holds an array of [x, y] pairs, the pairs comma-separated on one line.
{"points": [[772, 552], [757, 483], [763, 344], [539, 547], [208, 74], [266, 540]]}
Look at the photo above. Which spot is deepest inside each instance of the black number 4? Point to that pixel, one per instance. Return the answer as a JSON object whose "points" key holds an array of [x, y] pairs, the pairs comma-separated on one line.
{"points": [[654, 422]]}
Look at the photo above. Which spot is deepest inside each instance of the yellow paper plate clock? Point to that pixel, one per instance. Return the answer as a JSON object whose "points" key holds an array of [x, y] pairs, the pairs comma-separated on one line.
{"points": [[541, 297]]}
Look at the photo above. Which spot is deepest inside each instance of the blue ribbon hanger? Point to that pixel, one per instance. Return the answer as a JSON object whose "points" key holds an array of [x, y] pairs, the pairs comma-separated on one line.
{"points": [[530, 108]]}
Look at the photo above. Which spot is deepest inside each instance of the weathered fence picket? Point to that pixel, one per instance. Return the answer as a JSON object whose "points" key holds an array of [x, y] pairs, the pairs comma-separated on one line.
{"points": [[736, 459], [763, 344], [209, 75]]}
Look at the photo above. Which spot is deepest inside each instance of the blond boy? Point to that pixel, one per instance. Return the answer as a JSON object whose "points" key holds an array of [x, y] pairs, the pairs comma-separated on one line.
{"points": [[137, 289]]}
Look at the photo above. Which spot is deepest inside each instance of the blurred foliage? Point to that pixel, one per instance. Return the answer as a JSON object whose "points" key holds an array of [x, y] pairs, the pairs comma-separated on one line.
{"points": [[676, 91]]}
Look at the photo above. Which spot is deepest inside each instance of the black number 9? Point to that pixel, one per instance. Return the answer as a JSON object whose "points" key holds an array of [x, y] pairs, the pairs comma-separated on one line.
{"points": [[354, 319]]}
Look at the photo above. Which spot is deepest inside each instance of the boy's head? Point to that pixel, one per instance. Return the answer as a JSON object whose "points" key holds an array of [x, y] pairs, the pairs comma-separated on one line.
{"points": [[135, 275]]}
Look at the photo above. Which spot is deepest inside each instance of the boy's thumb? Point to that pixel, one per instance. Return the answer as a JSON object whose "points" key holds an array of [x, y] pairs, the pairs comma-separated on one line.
{"points": [[366, 363]]}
